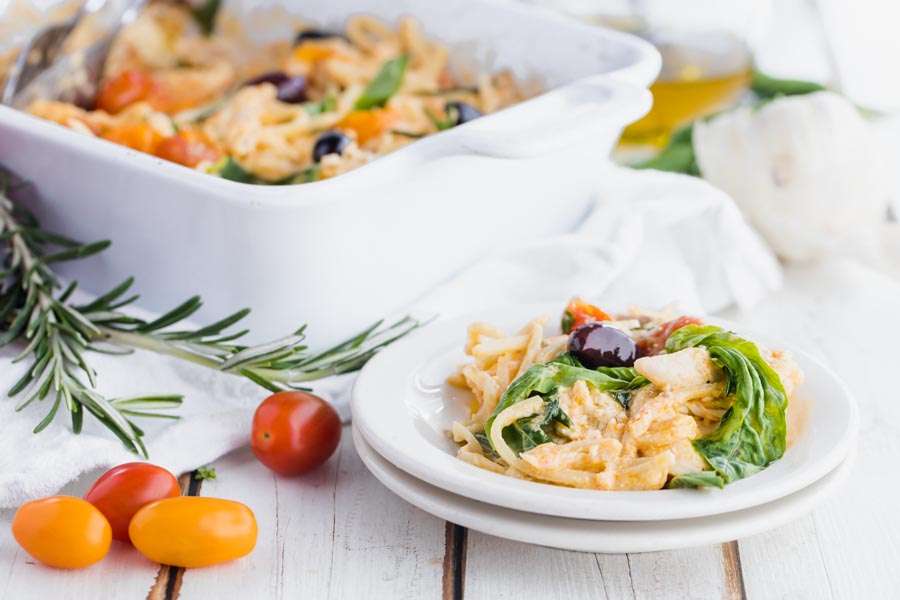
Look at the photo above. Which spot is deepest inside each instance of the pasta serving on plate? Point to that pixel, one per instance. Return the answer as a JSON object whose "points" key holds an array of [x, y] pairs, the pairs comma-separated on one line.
{"points": [[278, 113], [639, 401]]}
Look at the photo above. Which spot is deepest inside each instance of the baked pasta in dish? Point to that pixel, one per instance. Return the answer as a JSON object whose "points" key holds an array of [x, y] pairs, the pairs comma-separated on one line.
{"points": [[279, 113], [640, 401]]}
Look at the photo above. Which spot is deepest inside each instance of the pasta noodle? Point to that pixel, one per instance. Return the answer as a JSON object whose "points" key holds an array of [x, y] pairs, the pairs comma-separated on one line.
{"points": [[231, 105], [597, 440]]}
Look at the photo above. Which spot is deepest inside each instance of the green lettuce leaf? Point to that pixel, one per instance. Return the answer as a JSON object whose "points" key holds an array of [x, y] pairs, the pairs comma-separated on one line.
{"points": [[384, 85], [753, 432], [696, 480], [544, 381]]}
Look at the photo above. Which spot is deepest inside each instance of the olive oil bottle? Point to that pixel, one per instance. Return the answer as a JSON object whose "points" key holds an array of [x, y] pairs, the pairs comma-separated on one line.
{"points": [[701, 74]]}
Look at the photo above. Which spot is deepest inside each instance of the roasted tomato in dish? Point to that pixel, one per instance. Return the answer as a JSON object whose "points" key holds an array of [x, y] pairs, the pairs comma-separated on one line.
{"points": [[126, 88], [62, 531], [193, 531], [294, 432], [122, 491], [189, 148], [655, 342], [578, 313]]}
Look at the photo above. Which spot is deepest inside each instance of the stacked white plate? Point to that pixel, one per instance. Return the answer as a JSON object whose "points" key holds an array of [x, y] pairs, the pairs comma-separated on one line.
{"points": [[403, 408]]}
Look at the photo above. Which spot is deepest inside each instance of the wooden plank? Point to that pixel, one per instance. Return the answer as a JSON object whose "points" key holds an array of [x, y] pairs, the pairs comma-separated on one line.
{"points": [[384, 547], [733, 571], [691, 573], [124, 573], [497, 568], [335, 532], [785, 563], [454, 567]]}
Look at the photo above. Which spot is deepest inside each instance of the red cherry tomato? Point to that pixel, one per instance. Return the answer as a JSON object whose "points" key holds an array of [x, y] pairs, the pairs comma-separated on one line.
{"points": [[188, 148], [578, 313], [655, 342], [126, 88], [122, 491], [294, 432]]}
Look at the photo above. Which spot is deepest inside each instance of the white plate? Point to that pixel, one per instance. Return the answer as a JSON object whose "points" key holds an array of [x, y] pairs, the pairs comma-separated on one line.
{"points": [[597, 536], [403, 407]]}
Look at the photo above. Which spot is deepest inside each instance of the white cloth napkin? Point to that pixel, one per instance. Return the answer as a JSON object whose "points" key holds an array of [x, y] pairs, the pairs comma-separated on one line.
{"points": [[652, 239]]}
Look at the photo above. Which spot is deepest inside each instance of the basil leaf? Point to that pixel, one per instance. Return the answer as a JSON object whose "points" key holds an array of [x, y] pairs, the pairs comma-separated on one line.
{"points": [[315, 109], [235, 172], [753, 432], [439, 124], [205, 15], [384, 85], [678, 155], [697, 480], [770, 87], [531, 432], [544, 380]]}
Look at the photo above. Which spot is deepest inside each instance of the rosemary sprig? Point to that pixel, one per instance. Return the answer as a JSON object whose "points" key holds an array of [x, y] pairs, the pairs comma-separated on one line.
{"points": [[34, 307]]}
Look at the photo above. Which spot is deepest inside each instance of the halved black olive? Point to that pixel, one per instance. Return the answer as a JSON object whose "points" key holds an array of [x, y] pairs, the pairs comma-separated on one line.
{"points": [[291, 90], [460, 112], [314, 34], [599, 345], [330, 142], [276, 78]]}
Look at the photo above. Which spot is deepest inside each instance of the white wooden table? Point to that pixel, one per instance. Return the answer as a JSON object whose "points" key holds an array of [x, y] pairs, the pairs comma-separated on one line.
{"points": [[338, 533]]}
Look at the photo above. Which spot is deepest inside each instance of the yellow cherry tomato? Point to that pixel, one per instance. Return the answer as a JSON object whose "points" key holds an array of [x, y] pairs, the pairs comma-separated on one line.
{"points": [[192, 531], [62, 531]]}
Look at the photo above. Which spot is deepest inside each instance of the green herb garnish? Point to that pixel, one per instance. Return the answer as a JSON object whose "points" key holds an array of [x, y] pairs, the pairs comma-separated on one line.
{"points": [[385, 84], [753, 432], [678, 155], [205, 473], [545, 380], [205, 15], [314, 109]]}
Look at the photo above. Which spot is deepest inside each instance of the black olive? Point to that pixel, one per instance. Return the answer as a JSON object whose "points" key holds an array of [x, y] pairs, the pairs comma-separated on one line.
{"points": [[276, 78], [599, 345], [461, 112], [330, 142], [314, 34], [291, 90]]}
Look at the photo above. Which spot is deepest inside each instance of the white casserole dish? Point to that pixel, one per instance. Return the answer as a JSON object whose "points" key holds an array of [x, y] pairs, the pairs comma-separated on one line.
{"points": [[343, 252]]}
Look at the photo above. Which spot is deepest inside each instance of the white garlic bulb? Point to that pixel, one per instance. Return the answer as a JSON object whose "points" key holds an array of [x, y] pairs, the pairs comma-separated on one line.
{"points": [[808, 171]]}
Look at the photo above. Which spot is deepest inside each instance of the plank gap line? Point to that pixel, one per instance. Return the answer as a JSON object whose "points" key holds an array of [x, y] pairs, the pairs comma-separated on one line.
{"points": [[734, 573], [168, 579], [456, 540]]}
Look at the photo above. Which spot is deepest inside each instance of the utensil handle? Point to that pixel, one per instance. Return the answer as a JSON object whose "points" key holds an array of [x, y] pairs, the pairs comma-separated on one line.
{"points": [[560, 119]]}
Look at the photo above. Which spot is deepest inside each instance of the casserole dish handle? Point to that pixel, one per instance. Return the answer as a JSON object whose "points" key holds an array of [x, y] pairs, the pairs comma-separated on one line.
{"points": [[557, 120]]}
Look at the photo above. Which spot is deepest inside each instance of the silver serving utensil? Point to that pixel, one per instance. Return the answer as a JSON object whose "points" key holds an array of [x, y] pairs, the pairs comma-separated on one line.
{"points": [[41, 50], [75, 77]]}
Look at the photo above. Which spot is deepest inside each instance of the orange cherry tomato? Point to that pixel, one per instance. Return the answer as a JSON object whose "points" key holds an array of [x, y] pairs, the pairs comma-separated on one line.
{"points": [[192, 531], [311, 52], [62, 531], [126, 88], [142, 137], [189, 148], [578, 313], [294, 432], [122, 491], [368, 124]]}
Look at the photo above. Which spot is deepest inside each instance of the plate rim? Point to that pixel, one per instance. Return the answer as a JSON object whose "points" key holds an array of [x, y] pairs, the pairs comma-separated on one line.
{"points": [[619, 504], [598, 536]]}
